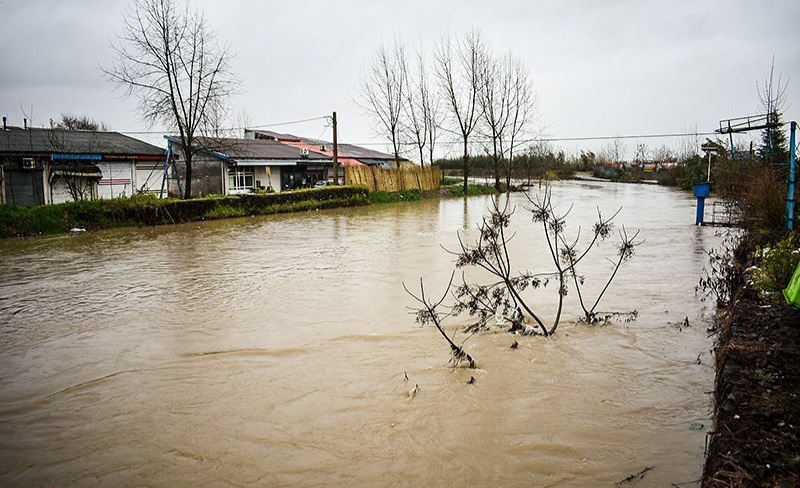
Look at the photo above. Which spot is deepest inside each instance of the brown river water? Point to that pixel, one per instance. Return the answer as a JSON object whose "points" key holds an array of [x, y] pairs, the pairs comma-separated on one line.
{"points": [[271, 351]]}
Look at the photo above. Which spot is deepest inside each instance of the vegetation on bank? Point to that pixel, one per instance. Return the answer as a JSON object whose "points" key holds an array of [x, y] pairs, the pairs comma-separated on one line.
{"points": [[756, 416], [147, 210], [537, 163]]}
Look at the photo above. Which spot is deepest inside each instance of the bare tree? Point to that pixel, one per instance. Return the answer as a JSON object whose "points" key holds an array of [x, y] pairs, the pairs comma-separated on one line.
{"points": [[169, 58], [495, 103], [458, 72], [414, 107], [663, 154], [523, 104], [613, 151], [641, 154], [383, 91], [688, 145], [78, 122], [431, 112]]}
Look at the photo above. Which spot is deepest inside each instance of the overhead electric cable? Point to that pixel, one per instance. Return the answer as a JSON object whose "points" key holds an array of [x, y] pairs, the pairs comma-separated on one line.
{"points": [[261, 126], [559, 139]]}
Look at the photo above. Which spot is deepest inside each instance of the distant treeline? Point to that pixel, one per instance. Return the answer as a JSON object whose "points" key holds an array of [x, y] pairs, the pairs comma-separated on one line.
{"points": [[531, 165]]}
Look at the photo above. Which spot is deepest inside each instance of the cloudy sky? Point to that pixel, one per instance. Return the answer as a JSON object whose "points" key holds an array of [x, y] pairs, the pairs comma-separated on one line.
{"points": [[600, 68]]}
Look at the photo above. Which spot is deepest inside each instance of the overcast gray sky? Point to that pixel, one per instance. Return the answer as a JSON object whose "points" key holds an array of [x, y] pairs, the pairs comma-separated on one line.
{"points": [[598, 67]]}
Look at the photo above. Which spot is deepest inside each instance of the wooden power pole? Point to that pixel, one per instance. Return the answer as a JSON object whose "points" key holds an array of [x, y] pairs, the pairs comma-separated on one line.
{"points": [[335, 153]]}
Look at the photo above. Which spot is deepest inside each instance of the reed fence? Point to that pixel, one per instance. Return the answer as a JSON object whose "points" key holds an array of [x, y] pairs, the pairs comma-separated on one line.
{"points": [[394, 180]]}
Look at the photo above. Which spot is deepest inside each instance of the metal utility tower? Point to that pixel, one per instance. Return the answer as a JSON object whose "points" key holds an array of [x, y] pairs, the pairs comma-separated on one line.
{"points": [[760, 122]]}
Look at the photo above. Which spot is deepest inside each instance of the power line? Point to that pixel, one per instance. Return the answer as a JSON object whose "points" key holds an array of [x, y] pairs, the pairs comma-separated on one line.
{"points": [[558, 139], [262, 126]]}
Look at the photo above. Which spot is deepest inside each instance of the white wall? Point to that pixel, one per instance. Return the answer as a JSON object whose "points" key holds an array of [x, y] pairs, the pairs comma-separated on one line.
{"points": [[149, 176], [117, 180]]}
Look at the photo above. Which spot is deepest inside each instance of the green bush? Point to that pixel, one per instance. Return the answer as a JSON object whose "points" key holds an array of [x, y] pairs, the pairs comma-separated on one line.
{"points": [[472, 190], [141, 210], [225, 212], [776, 265], [447, 181], [381, 197]]}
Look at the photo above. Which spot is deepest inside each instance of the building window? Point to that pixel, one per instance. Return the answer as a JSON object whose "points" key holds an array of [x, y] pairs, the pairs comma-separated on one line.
{"points": [[240, 179]]}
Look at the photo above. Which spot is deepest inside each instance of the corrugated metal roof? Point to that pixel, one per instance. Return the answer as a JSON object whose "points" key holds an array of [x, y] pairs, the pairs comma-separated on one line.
{"points": [[345, 150], [258, 149], [48, 141]]}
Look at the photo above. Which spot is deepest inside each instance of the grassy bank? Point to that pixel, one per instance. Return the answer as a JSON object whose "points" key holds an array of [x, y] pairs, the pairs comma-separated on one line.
{"points": [[455, 187], [146, 210]]}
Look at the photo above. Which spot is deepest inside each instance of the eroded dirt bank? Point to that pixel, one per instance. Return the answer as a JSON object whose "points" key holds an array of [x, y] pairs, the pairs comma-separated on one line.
{"points": [[756, 437]]}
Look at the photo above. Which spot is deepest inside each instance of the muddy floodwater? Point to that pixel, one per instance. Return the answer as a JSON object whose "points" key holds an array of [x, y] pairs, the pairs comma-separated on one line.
{"points": [[272, 352]]}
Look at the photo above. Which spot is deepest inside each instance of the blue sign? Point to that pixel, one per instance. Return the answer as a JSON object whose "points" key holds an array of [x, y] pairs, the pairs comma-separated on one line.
{"points": [[84, 157]]}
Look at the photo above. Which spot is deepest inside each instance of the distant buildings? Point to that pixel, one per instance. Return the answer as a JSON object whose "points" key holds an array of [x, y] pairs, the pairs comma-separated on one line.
{"points": [[47, 166], [266, 160]]}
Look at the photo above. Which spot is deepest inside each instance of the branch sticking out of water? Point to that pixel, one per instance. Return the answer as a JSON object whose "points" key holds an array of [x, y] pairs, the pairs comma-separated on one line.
{"points": [[637, 476], [430, 313]]}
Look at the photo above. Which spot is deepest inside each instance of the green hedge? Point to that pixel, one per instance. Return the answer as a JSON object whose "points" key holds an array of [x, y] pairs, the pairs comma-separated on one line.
{"points": [[472, 190], [146, 210]]}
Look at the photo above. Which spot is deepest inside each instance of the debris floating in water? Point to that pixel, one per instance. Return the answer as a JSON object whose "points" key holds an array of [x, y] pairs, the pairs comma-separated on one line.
{"points": [[640, 475]]}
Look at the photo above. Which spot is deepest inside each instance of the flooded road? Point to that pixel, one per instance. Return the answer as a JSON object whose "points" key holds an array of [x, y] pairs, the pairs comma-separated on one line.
{"points": [[272, 351]]}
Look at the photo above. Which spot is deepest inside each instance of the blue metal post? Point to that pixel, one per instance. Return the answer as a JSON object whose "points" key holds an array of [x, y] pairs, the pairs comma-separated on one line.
{"points": [[701, 191], [790, 203], [701, 207]]}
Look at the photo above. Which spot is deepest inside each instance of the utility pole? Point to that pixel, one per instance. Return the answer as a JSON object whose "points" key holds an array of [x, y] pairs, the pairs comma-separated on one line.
{"points": [[335, 153]]}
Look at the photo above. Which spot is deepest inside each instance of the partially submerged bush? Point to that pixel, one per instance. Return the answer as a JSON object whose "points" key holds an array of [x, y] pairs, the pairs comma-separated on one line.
{"points": [[505, 297]]}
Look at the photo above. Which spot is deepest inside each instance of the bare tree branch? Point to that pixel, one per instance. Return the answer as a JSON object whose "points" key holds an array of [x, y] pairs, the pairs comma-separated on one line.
{"points": [[170, 60]]}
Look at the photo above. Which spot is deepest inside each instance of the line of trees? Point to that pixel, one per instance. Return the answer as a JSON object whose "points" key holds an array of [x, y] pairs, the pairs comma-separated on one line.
{"points": [[463, 89]]}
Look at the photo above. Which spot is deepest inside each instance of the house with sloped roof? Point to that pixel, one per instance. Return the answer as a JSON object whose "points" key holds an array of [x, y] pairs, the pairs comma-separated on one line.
{"points": [[347, 154], [234, 166], [46, 166]]}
